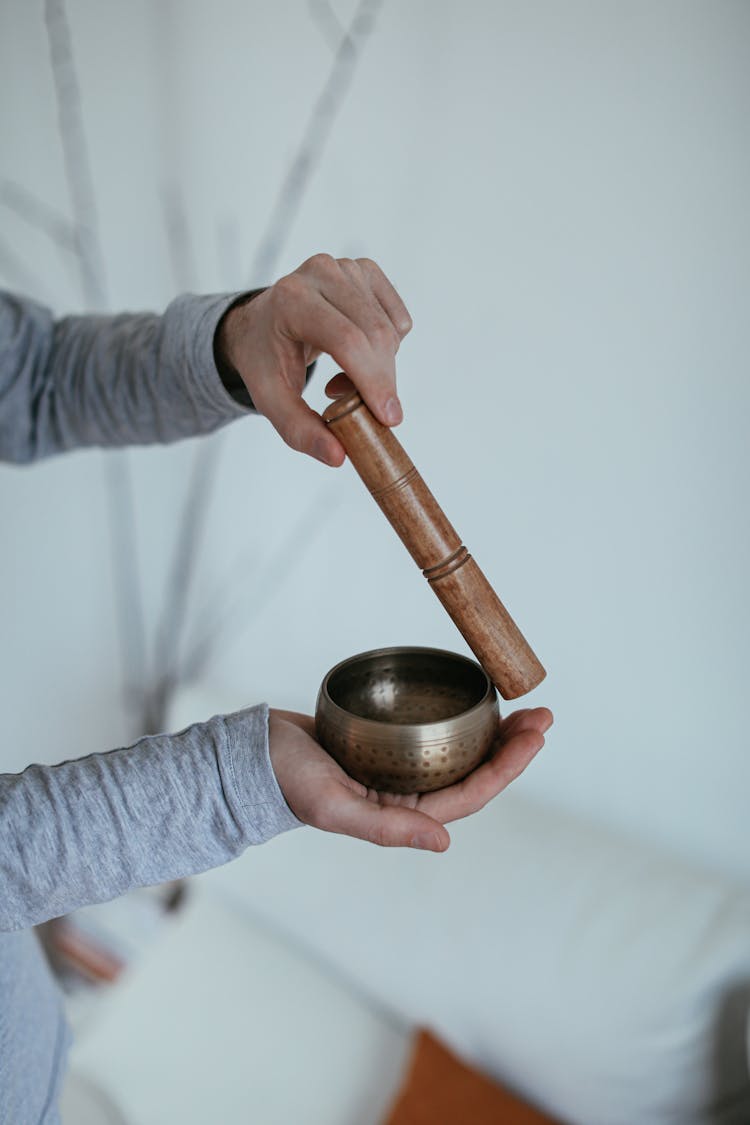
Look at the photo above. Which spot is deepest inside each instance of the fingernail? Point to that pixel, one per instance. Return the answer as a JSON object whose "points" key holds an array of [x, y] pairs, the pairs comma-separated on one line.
{"points": [[393, 412], [428, 841]]}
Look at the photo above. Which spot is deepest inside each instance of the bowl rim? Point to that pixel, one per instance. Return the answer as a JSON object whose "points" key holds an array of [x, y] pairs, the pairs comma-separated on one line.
{"points": [[490, 694]]}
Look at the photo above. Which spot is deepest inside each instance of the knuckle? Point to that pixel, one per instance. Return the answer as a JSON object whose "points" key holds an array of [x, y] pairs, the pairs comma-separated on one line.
{"points": [[352, 341], [405, 324], [321, 263], [379, 836], [385, 336], [288, 289], [368, 265]]}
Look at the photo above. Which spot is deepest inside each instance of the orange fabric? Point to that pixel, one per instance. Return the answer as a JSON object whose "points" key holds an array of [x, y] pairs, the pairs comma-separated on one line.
{"points": [[439, 1089]]}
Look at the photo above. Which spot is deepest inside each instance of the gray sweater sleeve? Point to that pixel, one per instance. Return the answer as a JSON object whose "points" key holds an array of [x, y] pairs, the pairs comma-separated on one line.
{"points": [[108, 380], [170, 805]]}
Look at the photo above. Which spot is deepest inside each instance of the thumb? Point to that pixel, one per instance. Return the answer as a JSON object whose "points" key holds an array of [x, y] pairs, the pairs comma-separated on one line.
{"points": [[388, 826]]}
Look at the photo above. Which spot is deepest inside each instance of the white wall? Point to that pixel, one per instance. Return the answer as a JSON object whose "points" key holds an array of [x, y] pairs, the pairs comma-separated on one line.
{"points": [[560, 193]]}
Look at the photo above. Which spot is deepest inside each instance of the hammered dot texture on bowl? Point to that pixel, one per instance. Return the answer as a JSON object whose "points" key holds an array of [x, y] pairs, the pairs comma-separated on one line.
{"points": [[407, 720]]}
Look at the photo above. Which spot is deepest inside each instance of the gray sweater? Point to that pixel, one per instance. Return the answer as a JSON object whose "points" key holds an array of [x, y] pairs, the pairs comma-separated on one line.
{"points": [[87, 830]]}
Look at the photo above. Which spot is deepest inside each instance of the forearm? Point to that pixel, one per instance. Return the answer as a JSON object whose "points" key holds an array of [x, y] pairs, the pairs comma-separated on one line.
{"points": [[88, 830], [108, 380]]}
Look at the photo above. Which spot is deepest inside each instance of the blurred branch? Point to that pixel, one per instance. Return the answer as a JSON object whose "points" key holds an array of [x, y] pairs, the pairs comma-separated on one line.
{"points": [[314, 137], [185, 557], [291, 194], [83, 237], [228, 240], [128, 600], [119, 485], [45, 219], [185, 552], [179, 238], [328, 22], [248, 592], [76, 154], [39, 215], [15, 269]]}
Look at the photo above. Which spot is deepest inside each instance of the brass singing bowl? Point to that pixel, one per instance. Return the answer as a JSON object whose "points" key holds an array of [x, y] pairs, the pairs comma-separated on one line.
{"points": [[407, 720]]}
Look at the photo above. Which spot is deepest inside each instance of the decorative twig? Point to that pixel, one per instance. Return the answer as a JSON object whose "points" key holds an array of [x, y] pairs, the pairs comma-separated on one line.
{"points": [[75, 154], [39, 215], [328, 23], [84, 237], [185, 557], [165, 674], [291, 195], [17, 272], [250, 592], [128, 601], [310, 150], [228, 239], [179, 238], [94, 287]]}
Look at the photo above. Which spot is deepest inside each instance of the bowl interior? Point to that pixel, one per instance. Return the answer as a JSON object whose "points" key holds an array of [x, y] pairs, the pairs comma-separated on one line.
{"points": [[407, 686]]}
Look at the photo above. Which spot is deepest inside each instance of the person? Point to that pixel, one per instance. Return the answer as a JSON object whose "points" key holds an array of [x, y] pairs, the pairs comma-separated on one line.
{"points": [[90, 829]]}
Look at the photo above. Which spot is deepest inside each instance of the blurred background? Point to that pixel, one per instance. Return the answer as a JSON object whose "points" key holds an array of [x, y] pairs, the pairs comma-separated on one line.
{"points": [[559, 192]]}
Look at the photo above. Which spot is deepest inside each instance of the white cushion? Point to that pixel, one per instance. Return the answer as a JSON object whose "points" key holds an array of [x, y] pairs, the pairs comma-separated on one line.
{"points": [[223, 1022], [600, 977]]}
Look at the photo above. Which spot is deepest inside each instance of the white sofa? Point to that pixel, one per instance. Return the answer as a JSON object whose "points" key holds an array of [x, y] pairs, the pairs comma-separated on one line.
{"points": [[603, 979]]}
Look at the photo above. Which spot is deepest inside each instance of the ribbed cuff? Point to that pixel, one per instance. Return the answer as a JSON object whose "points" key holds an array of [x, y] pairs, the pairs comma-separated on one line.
{"points": [[250, 783], [216, 391], [202, 316]]}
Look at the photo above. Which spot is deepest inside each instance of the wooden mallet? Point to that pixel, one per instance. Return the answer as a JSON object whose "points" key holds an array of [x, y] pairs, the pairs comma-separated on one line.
{"points": [[414, 513]]}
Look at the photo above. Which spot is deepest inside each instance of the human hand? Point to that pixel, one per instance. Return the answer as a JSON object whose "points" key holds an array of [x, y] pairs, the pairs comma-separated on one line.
{"points": [[320, 793], [343, 307]]}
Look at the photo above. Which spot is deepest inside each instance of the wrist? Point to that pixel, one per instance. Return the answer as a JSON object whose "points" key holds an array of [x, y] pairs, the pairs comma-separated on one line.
{"points": [[223, 351]]}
